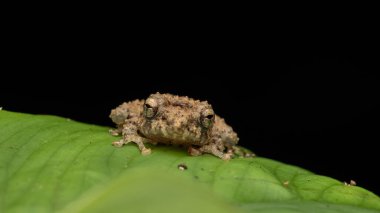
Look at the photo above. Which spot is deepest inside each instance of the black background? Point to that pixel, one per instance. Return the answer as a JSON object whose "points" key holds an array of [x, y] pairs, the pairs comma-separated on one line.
{"points": [[307, 101]]}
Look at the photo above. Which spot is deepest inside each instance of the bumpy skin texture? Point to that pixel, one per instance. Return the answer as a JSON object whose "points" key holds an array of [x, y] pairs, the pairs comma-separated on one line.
{"points": [[170, 119]]}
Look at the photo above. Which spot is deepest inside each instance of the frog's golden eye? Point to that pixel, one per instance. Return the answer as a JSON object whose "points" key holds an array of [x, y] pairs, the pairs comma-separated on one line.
{"points": [[150, 107], [207, 118]]}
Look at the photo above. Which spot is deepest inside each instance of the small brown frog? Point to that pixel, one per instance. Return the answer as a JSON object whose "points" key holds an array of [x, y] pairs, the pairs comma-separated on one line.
{"points": [[171, 119]]}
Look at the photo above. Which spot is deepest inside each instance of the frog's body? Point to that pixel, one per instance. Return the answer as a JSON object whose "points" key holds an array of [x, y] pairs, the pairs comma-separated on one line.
{"points": [[170, 119]]}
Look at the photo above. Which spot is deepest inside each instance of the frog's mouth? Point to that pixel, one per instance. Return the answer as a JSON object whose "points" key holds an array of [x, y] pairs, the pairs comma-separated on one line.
{"points": [[168, 136]]}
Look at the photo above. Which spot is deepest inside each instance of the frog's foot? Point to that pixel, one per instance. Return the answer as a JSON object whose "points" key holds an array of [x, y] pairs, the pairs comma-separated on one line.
{"points": [[213, 149], [135, 139], [140, 143]]}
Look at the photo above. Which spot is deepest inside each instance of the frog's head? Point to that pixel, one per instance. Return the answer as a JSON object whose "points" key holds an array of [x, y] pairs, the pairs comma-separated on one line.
{"points": [[177, 120], [125, 111]]}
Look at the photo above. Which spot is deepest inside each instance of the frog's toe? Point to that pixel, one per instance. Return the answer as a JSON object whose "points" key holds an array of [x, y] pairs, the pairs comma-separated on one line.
{"points": [[193, 151], [114, 132], [146, 151], [119, 143], [227, 156]]}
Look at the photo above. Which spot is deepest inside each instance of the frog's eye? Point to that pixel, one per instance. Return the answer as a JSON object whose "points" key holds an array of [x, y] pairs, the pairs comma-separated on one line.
{"points": [[150, 107], [207, 118]]}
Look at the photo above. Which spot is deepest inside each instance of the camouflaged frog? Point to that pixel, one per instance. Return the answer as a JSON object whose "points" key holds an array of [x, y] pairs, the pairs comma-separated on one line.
{"points": [[171, 119]]}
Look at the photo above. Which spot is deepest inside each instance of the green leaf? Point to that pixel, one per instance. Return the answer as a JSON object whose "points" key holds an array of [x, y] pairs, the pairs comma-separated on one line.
{"points": [[50, 164]]}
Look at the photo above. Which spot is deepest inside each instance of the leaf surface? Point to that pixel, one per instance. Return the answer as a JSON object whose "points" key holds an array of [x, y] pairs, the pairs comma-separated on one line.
{"points": [[50, 164]]}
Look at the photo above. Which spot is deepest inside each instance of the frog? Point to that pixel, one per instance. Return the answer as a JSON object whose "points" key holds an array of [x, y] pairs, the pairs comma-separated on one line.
{"points": [[174, 120]]}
